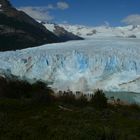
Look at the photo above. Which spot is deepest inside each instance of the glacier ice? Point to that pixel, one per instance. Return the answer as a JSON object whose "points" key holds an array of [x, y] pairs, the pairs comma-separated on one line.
{"points": [[112, 64]]}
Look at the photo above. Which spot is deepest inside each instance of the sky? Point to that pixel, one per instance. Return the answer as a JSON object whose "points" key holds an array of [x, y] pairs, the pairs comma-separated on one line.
{"points": [[83, 12]]}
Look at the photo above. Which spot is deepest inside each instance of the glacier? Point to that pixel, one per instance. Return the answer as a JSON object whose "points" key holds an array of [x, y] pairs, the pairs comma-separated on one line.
{"points": [[108, 63], [130, 31]]}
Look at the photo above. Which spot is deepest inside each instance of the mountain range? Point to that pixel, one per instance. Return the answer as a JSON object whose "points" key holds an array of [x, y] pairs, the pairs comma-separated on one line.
{"points": [[18, 30]]}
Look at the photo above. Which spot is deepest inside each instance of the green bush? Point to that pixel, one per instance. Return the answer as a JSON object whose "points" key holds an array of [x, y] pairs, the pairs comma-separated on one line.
{"points": [[41, 92], [18, 89], [82, 100], [14, 88], [99, 99], [67, 97]]}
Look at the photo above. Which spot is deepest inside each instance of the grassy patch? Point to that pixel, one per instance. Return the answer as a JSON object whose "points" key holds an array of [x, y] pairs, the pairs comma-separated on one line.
{"points": [[31, 112], [40, 121]]}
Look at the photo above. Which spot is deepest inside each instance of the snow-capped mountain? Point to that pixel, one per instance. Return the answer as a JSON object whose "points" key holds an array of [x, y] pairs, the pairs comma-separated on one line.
{"points": [[20, 30], [60, 32], [103, 31]]}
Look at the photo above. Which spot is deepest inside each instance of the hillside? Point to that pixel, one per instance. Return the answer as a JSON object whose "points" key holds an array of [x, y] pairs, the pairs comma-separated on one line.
{"points": [[18, 30], [28, 120], [62, 33]]}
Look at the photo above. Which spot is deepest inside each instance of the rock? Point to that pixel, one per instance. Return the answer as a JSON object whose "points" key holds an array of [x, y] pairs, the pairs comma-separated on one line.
{"points": [[132, 36], [65, 35]]}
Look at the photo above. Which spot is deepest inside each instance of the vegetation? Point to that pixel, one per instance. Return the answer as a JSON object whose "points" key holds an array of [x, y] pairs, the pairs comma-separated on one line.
{"points": [[99, 100], [17, 89], [32, 112]]}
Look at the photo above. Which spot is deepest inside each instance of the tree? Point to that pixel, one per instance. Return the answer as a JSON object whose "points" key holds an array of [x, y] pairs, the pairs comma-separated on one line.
{"points": [[99, 100]]}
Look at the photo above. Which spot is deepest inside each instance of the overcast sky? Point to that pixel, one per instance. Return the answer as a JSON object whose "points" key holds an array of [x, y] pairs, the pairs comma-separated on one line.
{"points": [[84, 12]]}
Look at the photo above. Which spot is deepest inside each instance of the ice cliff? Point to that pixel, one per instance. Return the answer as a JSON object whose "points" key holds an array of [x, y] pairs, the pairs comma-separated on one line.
{"points": [[112, 64]]}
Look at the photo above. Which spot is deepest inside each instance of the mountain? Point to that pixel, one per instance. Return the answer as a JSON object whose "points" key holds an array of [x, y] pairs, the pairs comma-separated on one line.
{"points": [[18, 30], [103, 31], [62, 33]]}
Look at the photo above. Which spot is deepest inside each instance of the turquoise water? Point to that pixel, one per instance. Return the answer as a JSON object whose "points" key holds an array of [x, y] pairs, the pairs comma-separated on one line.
{"points": [[129, 97]]}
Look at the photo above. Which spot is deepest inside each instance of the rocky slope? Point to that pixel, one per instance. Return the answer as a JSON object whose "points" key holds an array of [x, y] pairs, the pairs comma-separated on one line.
{"points": [[18, 30], [61, 32]]}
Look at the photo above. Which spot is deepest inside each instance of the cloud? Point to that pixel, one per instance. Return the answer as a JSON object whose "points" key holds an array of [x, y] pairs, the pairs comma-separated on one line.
{"points": [[50, 7], [39, 13], [58, 6], [132, 19], [65, 22], [62, 5], [42, 12]]}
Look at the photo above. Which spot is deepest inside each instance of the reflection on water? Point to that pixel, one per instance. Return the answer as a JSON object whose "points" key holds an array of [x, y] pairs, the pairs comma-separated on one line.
{"points": [[130, 97]]}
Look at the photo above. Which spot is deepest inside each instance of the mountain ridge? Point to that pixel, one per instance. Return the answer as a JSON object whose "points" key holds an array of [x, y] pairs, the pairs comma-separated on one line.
{"points": [[20, 30], [61, 32]]}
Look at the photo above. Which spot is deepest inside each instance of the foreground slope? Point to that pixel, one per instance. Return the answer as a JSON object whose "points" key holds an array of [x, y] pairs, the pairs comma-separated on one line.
{"points": [[30, 120]]}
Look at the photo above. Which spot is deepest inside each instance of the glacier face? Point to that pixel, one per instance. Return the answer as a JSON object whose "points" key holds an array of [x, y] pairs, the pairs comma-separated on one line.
{"points": [[112, 64]]}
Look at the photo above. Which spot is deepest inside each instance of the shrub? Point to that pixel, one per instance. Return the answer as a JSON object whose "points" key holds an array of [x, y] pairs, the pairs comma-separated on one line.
{"points": [[134, 106], [14, 88], [67, 97], [17, 89], [82, 100], [41, 92], [99, 99]]}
